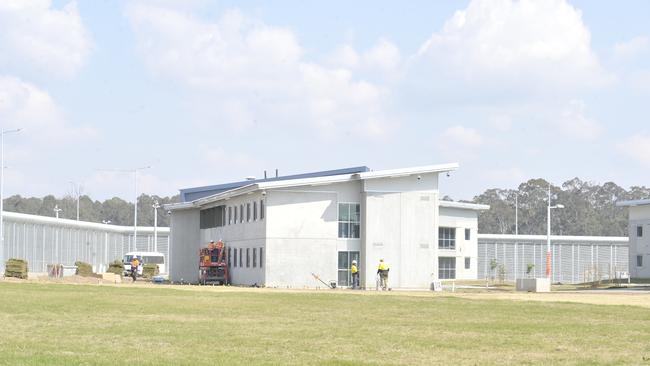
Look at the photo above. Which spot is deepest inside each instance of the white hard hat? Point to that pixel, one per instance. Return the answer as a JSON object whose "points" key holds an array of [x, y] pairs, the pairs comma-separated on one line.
{"points": [[354, 262]]}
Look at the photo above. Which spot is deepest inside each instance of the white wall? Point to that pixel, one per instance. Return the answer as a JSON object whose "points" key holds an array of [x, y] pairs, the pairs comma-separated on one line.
{"points": [[639, 216], [185, 245], [461, 219]]}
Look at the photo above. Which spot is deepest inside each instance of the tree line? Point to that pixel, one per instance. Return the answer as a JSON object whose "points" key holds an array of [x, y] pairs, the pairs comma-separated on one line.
{"points": [[589, 208], [115, 210]]}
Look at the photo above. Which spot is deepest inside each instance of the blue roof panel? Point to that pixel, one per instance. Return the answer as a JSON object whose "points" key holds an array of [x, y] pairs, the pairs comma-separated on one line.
{"points": [[191, 194]]}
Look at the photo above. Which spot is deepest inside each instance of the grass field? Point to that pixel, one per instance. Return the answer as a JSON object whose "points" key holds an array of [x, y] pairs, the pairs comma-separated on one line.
{"points": [[88, 324]]}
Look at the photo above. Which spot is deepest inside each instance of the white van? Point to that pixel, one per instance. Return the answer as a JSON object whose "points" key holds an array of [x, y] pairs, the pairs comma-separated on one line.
{"points": [[145, 258]]}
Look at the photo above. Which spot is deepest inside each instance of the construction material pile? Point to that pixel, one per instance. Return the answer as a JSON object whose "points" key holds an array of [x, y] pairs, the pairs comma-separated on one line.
{"points": [[149, 270], [116, 267], [16, 268], [84, 269]]}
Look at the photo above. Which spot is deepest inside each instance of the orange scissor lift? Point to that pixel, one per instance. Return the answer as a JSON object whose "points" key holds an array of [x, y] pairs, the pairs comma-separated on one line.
{"points": [[213, 265]]}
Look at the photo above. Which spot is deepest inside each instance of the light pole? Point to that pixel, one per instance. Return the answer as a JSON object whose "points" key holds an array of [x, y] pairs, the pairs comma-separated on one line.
{"points": [[2, 187], [135, 203], [548, 232], [106, 222], [57, 210], [155, 206]]}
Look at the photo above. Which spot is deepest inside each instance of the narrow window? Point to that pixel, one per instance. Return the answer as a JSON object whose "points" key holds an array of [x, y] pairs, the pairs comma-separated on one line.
{"points": [[261, 209], [241, 259], [261, 257], [229, 262], [467, 262], [639, 261], [241, 213], [235, 221], [248, 258], [235, 258], [349, 220], [254, 257], [230, 215], [467, 234], [248, 212], [639, 231], [255, 211]]}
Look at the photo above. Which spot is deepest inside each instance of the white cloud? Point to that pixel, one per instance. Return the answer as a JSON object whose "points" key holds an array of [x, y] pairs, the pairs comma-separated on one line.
{"points": [[23, 105], [463, 136], [37, 37], [254, 71], [574, 122], [384, 55], [637, 148], [524, 44], [632, 47]]}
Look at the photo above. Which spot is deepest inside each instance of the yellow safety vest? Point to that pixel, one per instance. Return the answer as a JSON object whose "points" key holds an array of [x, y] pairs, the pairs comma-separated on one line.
{"points": [[354, 269], [382, 266]]}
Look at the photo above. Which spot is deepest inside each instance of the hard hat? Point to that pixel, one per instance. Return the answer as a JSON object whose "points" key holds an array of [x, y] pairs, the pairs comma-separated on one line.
{"points": [[381, 260], [354, 262]]}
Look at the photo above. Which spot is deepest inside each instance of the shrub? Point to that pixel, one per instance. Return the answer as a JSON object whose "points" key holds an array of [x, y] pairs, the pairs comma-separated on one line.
{"points": [[116, 267], [84, 269], [149, 270]]}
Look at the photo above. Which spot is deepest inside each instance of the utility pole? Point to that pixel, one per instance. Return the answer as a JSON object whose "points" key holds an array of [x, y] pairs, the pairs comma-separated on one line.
{"points": [[155, 206], [76, 190], [548, 232], [2, 187]]}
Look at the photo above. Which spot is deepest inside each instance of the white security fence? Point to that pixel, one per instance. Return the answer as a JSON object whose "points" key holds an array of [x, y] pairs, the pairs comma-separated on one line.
{"points": [[574, 259], [45, 240]]}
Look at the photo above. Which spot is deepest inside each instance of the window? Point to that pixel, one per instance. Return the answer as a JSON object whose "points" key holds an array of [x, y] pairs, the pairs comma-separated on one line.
{"points": [[235, 258], [241, 259], [639, 231], [261, 209], [229, 262], [467, 262], [446, 268], [235, 221], [349, 220], [261, 257], [212, 217], [248, 257], [255, 211], [254, 257], [446, 238], [248, 212], [241, 213], [345, 261], [467, 234], [639, 261], [230, 215]]}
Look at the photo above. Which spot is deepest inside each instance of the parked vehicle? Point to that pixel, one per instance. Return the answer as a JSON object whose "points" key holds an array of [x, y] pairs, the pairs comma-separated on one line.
{"points": [[145, 258]]}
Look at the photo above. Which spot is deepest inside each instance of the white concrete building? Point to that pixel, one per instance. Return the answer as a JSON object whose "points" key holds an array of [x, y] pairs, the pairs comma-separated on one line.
{"points": [[639, 233], [280, 231]]}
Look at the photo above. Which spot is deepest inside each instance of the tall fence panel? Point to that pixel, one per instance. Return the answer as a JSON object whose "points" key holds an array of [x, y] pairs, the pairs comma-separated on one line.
{"points": [[45, 240], [574, 259]]}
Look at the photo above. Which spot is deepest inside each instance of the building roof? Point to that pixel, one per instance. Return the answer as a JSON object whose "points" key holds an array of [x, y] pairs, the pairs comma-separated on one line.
{"points": [[192, 194], [633, 203], [318, 178], [463, 205]]}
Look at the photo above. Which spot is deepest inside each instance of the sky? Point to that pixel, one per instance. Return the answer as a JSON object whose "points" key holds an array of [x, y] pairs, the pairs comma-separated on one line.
{"points": [[206, 92]]}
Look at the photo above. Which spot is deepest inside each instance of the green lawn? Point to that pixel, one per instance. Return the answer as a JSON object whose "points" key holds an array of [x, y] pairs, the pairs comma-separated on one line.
{"points": [[85, 324]]}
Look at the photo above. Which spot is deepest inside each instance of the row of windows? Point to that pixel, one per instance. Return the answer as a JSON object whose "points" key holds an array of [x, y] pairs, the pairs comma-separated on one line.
{"points": [[447, 267], [447, 237], [236, 257], [216, 216]]}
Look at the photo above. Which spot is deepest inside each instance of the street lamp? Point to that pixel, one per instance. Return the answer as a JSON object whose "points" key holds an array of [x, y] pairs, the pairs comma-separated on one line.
{"points": [[155, 206], [135, 203], [77, 189], [2, 187], [548, 232], [57, 210]]}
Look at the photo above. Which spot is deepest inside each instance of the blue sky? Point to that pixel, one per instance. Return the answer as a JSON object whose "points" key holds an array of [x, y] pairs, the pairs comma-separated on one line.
{"points": [[207, 92]]}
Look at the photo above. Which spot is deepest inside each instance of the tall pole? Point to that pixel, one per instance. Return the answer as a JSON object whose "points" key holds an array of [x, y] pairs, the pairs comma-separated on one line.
{"points": [[155, 206], [135, 211], [57, 210], [548, 234], [517, 214], [2, 187]]}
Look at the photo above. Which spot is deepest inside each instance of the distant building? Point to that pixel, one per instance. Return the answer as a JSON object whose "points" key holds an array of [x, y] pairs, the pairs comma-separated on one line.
{"points": [[279, 231], [639, 233]]}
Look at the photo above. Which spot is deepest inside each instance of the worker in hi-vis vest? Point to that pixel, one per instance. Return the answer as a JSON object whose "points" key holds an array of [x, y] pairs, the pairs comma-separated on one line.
{"points": [[382, 271], [355, 275]]}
